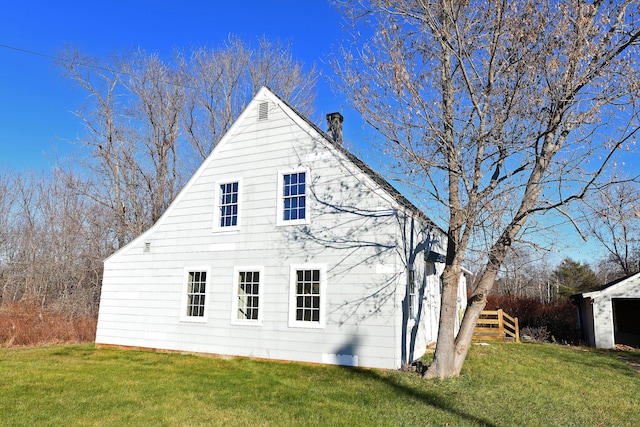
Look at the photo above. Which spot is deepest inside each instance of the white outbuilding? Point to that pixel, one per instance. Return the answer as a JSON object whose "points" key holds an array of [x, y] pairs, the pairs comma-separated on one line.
{"points": [[611, 314]]}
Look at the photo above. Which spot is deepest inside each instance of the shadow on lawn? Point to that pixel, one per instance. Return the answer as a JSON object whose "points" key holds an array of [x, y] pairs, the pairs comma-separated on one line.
{"points": [[425, 397]]}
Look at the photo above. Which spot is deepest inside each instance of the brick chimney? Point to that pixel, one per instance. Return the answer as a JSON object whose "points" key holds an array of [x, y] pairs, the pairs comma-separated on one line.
{"points": [[334, 122]]}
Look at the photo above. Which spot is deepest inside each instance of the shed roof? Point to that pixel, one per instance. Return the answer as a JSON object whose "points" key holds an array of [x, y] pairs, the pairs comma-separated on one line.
{"points": [[614, 284]]}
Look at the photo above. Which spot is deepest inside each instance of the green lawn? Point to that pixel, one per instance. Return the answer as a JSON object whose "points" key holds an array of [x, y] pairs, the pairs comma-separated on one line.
{"points": [[501, 385]]}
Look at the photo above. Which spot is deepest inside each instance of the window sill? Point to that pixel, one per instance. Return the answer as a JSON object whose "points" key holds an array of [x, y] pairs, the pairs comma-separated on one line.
{"points": [[226, 230], [283, 223], [193, 320], [252, 323], [306, 325]]}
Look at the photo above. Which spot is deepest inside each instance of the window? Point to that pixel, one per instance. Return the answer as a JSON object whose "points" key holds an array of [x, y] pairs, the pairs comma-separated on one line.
{"points": [[227, 216], [307, 296], [229, 204], [195, 295], [413, 295], [247, 296], [430, 268], [292, 198]]}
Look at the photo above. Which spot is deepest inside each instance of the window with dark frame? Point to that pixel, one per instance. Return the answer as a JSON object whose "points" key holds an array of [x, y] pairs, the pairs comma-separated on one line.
{"points": [[248, 295], [307, 295], [196, 293], [413, 296], [229, 204], [294, 196]]}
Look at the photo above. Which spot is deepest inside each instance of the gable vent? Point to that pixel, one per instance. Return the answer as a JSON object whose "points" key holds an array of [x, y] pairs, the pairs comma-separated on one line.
{"points": [[147, 247], [263, 111]]}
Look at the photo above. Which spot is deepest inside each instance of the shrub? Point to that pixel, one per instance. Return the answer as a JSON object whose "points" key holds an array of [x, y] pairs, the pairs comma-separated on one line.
{"points": [[539, 334], [25, 323], [559, 318]]}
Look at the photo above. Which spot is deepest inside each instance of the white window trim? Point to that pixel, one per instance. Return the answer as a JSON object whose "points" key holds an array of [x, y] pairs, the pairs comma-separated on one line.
{"points": [[216, 211], [234, 301], [184, 300], [293, 323], [280, 198]]}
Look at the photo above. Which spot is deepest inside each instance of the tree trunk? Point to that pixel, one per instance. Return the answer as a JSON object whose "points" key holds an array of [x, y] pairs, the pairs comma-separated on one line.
{"points": [[443, 364]]}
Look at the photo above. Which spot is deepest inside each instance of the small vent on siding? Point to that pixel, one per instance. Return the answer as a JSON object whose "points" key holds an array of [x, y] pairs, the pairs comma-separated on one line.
{"points": [[263, 111], [147, 247]]}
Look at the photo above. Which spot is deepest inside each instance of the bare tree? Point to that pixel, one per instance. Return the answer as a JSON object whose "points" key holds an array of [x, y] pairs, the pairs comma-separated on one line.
{"points": [[112, 162], [222, 81], [51, 255], [613, 219], [497, 111], [158, 98], [216, 94], [6, 204], [516, 273]]}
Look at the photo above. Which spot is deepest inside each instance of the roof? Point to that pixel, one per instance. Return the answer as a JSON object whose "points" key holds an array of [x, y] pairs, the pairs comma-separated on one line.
{"points": [[609, 286]]}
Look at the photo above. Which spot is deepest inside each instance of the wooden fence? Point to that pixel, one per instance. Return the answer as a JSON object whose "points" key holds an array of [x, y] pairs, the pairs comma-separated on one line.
{"points": [[496, 325]]}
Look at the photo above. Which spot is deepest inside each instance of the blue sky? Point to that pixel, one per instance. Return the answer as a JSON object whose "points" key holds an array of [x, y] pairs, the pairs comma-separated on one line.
{"points": [[36, 123]]}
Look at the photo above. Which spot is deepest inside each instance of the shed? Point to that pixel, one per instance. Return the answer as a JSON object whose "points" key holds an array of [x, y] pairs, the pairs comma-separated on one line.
{"points": [[611, 314]]}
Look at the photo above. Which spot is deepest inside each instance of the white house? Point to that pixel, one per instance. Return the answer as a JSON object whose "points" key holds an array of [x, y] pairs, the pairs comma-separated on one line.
{"points": [[611, 315], [283, 245]]}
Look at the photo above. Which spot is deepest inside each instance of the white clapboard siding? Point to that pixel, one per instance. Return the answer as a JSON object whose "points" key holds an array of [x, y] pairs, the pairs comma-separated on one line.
{"points": [[354, 232]]}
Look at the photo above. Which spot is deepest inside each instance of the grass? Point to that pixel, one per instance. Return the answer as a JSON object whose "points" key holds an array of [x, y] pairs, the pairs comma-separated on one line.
{"points": [[501, 385]]}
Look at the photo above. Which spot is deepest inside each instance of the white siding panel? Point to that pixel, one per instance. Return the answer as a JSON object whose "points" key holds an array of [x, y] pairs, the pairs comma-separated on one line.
{"points": [[353, 231], [602, 308]]}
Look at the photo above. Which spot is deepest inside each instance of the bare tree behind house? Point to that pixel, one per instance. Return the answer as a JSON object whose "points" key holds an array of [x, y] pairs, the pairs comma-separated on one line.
{"points": [[53, 248], [613, 219], [111, 146], [498, 112], [222, 81], [6, 205], [158, 98]]}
